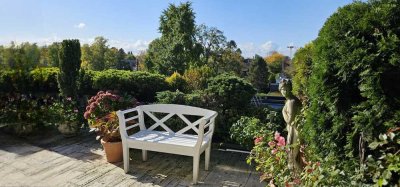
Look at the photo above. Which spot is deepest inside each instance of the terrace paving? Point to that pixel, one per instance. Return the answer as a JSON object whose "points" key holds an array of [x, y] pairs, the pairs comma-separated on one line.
{"points": [[80, 161]]}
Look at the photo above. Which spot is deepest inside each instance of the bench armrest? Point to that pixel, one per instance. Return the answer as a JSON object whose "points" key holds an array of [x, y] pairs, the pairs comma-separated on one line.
{"points": [[205, 122], [123, 121]]}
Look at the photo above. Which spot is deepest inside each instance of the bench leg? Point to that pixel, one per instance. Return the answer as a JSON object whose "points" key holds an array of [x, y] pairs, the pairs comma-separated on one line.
{"points": [[207, 157], [144, 155], [196, 160], [125, 151]]}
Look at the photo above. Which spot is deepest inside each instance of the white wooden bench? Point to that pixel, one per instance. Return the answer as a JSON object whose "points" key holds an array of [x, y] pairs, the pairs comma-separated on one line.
{"points": [[166, 140]]}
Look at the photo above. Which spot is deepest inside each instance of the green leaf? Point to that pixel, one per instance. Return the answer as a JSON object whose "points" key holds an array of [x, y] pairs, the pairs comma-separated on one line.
{"points": [[383, 137], [373, 145], [391, 135]]}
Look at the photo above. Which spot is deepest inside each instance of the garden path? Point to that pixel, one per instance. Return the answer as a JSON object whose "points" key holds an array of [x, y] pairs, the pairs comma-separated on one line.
{"points": [[79, 161]]}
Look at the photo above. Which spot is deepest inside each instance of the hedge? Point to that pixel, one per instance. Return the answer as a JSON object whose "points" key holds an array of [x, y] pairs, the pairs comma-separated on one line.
{"points": [[142, 85]]}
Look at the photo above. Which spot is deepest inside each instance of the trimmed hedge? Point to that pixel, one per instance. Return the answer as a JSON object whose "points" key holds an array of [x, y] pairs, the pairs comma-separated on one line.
{"points": [[37, 80], [142, 85]]}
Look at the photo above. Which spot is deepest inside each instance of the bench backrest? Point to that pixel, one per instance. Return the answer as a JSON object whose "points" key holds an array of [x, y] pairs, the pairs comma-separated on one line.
{"points": [[206, 121]]}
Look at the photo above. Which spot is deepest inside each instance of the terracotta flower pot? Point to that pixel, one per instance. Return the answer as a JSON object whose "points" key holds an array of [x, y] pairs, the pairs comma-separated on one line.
{"points": [[113, 151]]}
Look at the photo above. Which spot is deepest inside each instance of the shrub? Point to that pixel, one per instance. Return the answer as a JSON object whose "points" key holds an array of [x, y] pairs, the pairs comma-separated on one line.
{"points": [[230, 92], [85, 86], [15, 81], [197, 77], [37, 80], [45, 79], [177, 82], [197, 99], [69, 64], [353, 89], [168, 97], [142, 85], [245, 130], [302, 62], [270, 156]]}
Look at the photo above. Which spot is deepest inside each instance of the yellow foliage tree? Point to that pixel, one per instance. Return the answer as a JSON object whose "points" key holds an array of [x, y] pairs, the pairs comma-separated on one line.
{"points": [[275, 61]]}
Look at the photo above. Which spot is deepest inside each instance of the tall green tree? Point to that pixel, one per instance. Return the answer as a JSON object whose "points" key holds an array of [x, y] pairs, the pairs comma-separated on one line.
{"points": [[111, 58], [176, 49], [70, 63], [98, 50], [212, 41], [258, 74]]}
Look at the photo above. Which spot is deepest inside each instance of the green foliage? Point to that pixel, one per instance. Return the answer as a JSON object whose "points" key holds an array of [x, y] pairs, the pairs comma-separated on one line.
{"points": [[246, 129], [193, 99], [23, 114], [353, 88], [270, 157], [23, 57], [230, 91], [63, 110], [176, 48], [177, 82], [142, 85], [45, 79], [302, 62], [384, 166], [197, 77], [258, 74], [70, 63], [37, 80]]}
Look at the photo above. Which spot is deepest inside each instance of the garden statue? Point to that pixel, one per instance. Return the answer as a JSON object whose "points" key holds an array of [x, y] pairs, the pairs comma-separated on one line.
{"points": [[290, 111]]}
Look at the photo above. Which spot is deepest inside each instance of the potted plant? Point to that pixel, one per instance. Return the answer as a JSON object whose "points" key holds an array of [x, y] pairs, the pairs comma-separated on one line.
{"points": [[101, 116], [65, 116]]}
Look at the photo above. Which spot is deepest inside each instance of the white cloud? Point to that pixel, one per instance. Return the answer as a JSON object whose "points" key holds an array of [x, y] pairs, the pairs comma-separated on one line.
{"points": [[136, 47], [250, 49], [80, 25]]}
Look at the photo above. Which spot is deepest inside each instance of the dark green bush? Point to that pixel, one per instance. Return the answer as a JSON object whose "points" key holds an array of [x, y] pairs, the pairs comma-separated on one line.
{"points": [[169, 97], [37, 80], [45, 79], [69, 64], [142, 85], [354, 87], [85, 86], [230, 92]]}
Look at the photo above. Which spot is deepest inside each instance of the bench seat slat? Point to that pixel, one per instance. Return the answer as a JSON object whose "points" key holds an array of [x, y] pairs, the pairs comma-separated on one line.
{"points": [[164, 137]]}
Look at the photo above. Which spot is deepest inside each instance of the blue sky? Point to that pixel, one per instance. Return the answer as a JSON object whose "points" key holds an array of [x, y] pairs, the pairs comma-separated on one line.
{"points": [[257, 26]]}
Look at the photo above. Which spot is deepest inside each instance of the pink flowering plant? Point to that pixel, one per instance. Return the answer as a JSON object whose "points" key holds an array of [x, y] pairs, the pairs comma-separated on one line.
{"points": [[270, 156], [105, 102], [100, 113]]}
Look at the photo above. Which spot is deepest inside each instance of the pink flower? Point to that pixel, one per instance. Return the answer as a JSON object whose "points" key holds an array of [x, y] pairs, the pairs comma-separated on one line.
{"points": [[76, 110], [271, 183], [69, 99], [281, 141], [274, 151], [318, 164], [86, 115], [258, 140], [271, 143], [277, 135]]}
